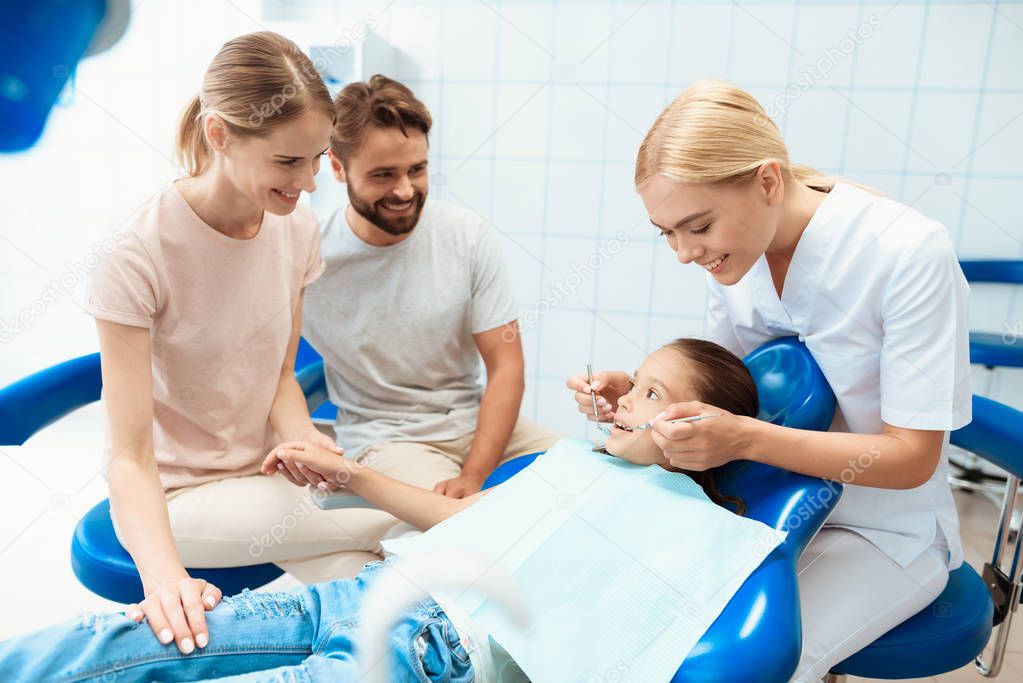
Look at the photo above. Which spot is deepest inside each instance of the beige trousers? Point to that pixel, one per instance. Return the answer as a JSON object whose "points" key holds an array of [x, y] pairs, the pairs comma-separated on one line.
{"points": [[256, 519]]}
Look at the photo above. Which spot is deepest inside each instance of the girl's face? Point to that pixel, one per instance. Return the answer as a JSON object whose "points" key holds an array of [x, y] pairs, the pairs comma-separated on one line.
{"points": [[725, 228], [659, 382], [272, 171]]}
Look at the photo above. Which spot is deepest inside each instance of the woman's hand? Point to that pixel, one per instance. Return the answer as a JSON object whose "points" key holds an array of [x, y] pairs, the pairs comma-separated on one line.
{"points": [[176, 611], [325, 464], [701, 445], [609, 386], [296, 472]]}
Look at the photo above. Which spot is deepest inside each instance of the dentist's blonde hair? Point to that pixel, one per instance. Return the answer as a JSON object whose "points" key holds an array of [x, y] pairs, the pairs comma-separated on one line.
{"points": [[256, 82], [716, 132]]}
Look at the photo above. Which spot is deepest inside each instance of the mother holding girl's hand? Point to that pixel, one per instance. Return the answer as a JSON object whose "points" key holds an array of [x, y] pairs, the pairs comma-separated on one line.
{"points": [[198, 315], [875, 291]]}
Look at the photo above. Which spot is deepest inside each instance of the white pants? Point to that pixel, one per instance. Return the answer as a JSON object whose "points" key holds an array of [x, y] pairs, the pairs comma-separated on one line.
{"points": [[254, 519], [851, 593]]}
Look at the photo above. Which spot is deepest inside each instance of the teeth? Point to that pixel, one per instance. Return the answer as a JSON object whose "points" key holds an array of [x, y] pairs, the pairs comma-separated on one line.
{"points": [[288, 195], [715, 263], [399, 207]]}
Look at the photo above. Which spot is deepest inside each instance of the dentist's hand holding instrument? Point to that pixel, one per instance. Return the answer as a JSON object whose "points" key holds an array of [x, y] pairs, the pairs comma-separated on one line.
{"points": [[691, 441], [601, 388]]}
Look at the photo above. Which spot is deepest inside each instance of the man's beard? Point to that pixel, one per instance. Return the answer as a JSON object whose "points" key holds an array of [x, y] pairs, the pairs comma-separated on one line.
{"points": [[400, 225]]}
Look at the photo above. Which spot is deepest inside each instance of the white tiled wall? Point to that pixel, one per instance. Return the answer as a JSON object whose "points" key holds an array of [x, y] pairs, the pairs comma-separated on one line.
{"points": [[539, 109]]}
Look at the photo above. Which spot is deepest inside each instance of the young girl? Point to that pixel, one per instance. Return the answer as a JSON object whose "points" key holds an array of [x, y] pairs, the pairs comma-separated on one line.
{"points": [[307, 633], [876, 292]]}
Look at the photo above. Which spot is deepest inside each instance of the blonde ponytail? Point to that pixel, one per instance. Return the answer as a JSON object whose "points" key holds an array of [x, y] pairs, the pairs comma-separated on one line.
{"points": [[256, 82], [191, 151], [811, 177], [716, 132]]}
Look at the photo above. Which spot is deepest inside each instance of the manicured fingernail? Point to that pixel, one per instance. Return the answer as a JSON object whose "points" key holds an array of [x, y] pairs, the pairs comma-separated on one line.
{"points": [[596, 384], [660, 416], [209, 601], [166, 636], [280, 466], [300, 466], [322, 486], [201, 640], [601, 401], [186, 646]]}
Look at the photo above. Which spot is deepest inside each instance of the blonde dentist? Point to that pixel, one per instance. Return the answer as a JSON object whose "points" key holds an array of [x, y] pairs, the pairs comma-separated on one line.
{"points": [[875, 291]]}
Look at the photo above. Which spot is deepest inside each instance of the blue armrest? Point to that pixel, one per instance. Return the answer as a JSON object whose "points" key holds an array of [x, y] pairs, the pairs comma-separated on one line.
{"points": [[97, 557], [995, 271], [995, 434], [996, 350], [44, 397]]}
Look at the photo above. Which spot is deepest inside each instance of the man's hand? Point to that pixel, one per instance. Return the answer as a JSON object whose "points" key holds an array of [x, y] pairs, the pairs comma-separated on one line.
{"points": [[461, 486]]}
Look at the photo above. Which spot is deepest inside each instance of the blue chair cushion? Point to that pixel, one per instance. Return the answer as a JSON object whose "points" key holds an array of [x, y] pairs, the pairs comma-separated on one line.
{"points": [[943, 637], [991, 349], [106, 568]]}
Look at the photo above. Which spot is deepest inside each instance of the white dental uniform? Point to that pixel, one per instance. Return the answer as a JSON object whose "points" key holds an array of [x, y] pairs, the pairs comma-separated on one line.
{"points": [[875, 291]]}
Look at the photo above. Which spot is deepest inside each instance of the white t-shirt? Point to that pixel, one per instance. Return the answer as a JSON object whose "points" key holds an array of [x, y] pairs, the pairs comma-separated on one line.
{"points": [[395, 326], [875, 291]]}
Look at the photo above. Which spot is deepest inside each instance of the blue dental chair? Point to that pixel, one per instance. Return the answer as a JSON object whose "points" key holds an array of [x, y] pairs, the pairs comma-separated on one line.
{"points": [[758, 637], [97, 558]]}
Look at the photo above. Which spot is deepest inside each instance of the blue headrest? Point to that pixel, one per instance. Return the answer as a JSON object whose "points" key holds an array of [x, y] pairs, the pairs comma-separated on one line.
{"points": [[793, 391]]}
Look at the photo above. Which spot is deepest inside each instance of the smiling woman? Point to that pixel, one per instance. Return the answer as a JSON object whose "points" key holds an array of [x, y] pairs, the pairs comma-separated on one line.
{"points": [[198, 314]]}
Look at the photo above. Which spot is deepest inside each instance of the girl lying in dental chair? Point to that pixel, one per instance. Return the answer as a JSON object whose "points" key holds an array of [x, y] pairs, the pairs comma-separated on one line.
{"points": [[309, 633]]}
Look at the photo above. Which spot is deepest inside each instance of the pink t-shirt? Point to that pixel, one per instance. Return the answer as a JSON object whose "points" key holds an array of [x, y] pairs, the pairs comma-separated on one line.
{"points": [[220, 312]]}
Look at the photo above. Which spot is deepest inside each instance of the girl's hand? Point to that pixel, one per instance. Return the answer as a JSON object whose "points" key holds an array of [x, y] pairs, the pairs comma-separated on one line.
{"points": [[609, 386], [325, 468], [702, 445], [296, 473], [176, 612]]}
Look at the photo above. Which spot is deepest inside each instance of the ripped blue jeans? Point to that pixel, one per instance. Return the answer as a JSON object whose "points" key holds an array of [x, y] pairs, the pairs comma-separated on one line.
{"points": [[306, 634]]}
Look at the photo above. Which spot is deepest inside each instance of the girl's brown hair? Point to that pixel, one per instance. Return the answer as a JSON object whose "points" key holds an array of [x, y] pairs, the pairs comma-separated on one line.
{"points": [[381, 102], [720, 378], [255, 83]]}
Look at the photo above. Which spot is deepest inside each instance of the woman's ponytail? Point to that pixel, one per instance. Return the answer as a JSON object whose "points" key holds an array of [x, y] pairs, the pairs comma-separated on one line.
{"points": [[191, 151]]}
